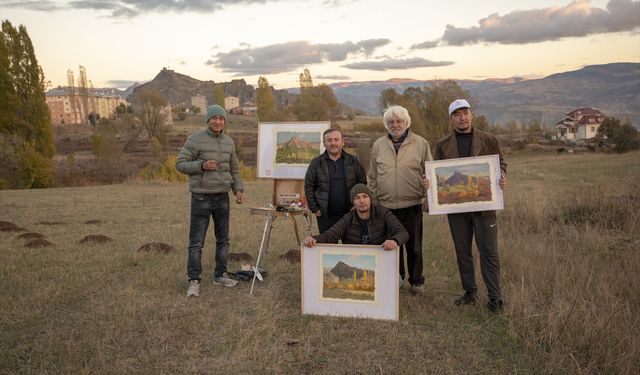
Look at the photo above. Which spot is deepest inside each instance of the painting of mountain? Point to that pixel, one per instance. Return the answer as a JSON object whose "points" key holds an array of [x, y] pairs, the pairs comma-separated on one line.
{"points": [[463, 184], [349, 277], [296, 148]]}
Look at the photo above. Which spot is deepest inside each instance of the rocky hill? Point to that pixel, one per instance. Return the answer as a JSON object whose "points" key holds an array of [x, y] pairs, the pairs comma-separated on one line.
{"points": [[179, 88], [614, 89]]}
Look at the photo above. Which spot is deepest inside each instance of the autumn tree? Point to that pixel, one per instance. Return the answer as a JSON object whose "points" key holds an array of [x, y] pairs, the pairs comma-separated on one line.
{"points": [[264, 101], [26, 137], [149, 109], [218, 94], [616, 136], [315, 103]]}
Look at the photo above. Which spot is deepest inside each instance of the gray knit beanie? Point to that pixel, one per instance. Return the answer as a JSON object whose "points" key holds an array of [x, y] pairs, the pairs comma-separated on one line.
{"points": [[215, 110], [359, 188]]}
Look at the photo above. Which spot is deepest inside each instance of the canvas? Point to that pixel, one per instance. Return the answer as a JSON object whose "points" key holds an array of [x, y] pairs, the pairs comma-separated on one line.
{"points": [[464, 185], [286, 149], [350, 280]]}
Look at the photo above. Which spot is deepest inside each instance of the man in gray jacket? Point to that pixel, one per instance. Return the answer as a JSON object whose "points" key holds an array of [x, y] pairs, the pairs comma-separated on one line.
{"points": [[329, 179], [209, 158]]}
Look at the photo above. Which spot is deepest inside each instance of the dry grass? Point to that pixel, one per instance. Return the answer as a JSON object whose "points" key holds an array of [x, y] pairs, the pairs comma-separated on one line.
{"points": [[569, 245]]}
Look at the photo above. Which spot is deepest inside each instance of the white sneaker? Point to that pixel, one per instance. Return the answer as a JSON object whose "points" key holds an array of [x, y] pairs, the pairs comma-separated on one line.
{"points": [[225, 280], [194, 289], [401, 283]]}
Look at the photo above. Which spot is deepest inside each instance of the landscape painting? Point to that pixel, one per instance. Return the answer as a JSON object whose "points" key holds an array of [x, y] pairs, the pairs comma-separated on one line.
{"points": [[285, 149], [349, 277], [464, 185], [296, 147]]}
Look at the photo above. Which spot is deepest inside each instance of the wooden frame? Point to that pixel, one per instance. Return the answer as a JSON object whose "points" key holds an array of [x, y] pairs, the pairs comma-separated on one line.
{"points": [[285, 149], [464, 185], [350, 280]]}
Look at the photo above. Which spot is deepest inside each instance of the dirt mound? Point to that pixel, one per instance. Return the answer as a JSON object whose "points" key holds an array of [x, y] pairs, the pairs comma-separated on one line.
{"points": [[96, 238], [94, 221], [50, 222], [157, 247], [31, 235], [293, 256], [7, 226], [36, 243], [240, 257]]}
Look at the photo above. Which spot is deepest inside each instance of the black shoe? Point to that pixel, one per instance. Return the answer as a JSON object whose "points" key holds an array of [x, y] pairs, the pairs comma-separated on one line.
{"points": [[467, 299], [495, 305]]}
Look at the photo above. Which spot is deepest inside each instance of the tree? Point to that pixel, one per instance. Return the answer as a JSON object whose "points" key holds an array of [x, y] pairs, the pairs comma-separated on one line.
{"points": [[149, 108], [315, 103], [620, 138], [218, 94], [264, 101], [25, 122]]}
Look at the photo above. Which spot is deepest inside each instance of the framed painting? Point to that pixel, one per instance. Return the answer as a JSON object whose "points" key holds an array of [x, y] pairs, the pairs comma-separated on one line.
{"points": [[285, 149], [350, 280], [464, 185]]}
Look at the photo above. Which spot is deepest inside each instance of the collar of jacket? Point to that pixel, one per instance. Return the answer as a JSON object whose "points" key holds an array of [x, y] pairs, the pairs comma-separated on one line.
{"points": [[214, 134], [325, 154], [404, 136]]}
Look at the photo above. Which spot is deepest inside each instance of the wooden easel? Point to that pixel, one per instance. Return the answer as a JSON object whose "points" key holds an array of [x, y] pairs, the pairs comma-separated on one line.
{"points": [[284, 192]]}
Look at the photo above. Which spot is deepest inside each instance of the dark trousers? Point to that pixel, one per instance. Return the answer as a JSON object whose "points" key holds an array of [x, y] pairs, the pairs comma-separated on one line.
{"points": [[463, 227], [326, 222], [411, 219], [204, 206]]}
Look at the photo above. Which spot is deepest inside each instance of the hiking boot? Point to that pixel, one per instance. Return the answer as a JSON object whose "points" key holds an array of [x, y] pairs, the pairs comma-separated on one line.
{"points": [[194, 289], [225, 280], [417, 289], [467, 299], [495, 305]]}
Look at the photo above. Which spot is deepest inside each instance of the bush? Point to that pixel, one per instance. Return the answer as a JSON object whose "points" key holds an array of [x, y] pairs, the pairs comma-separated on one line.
{"points": [[164, 172], [247, 173]]}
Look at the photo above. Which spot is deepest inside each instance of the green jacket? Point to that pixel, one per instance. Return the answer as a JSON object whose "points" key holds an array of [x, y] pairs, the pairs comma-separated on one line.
{"points": [[207, 145]]}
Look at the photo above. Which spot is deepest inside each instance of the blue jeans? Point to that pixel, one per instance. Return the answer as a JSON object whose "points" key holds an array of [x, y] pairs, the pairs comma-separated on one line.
{"points": [[204, 206]]}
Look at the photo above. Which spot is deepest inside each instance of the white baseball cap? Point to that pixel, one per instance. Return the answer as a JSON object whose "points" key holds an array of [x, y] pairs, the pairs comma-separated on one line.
{"points": [[457, 104]]}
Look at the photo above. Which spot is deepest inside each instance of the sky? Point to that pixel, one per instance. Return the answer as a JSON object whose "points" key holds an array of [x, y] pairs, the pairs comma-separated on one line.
{"points": [[120, 42]]}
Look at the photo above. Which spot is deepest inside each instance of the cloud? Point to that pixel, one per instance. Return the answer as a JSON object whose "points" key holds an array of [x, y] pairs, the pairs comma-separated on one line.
{"points": [[40, 5], [426, 45], [391, 64], [576, 19], [286, 57]]}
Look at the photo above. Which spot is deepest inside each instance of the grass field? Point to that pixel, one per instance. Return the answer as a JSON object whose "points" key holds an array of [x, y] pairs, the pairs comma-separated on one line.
{"points": [[569, 241]]}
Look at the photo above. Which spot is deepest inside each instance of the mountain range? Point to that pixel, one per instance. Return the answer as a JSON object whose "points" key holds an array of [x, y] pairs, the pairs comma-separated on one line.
{"points": [[613, 88]]}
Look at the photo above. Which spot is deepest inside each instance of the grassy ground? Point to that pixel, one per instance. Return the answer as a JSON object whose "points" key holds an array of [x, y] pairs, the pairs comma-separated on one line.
{"points": [[569, 244]]}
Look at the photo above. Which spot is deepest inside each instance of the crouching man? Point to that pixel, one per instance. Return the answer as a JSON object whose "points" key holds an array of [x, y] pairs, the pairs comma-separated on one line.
{"points": [[366, 224]]}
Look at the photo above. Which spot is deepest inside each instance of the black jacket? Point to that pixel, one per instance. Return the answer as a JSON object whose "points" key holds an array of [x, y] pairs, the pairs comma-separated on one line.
{"points": [[383, 225], [316, 180]]}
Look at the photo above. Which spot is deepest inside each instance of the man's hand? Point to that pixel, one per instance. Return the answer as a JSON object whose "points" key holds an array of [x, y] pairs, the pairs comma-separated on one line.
{"points": [[389, 245], [310, 241], [239, 197], [425, 183], [502, 182], [209, 165], [318, 213]]}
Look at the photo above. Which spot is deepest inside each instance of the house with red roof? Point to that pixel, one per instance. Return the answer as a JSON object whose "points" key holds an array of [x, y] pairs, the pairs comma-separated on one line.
{"points": [[581, 123]]}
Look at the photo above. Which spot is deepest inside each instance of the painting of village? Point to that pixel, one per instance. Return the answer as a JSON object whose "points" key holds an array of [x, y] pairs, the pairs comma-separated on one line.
{"points": [[349, 277], [464, 183], [296, 147]]}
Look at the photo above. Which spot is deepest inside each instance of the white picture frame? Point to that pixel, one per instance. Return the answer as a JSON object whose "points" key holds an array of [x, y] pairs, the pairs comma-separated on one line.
{"points": [[464, 185], [372, 292], [276, 159]]}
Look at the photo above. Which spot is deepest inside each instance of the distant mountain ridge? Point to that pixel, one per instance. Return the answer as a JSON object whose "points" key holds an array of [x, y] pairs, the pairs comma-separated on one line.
{"points": [[612, 88]]}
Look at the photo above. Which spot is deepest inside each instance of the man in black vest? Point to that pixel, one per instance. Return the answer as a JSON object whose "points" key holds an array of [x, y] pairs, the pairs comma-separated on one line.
{"points": [[329, 179]]}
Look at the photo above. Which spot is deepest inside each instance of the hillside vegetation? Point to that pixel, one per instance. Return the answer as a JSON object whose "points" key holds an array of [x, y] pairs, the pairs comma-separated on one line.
{"points": [[569, 241]]}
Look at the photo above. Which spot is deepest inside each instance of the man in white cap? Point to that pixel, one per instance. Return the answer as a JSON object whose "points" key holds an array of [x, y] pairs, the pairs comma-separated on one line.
{"points": [[467, 141], [209, 158]]}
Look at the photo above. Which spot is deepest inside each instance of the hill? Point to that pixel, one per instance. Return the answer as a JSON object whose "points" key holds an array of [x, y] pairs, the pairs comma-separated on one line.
{"points": [[612, 88], [179, 88]]}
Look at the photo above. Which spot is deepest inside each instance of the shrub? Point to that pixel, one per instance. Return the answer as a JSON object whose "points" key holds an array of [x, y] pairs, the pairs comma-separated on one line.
{"points": [[164, 172], [247, 173]]}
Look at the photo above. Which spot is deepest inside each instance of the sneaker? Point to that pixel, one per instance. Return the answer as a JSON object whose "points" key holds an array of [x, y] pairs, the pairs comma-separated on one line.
{"points": [[495, 305], [467, 299], [401, 283], [417, 289], [194, 289], [225, 280]]}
